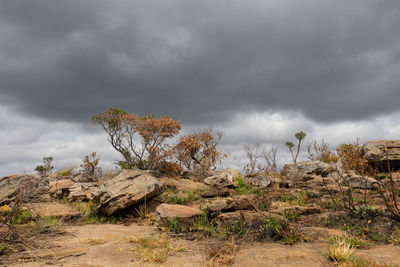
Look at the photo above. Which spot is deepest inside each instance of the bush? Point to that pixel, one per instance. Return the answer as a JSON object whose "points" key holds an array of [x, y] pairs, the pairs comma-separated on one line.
{"points": [[353, 159], [198, 152]]}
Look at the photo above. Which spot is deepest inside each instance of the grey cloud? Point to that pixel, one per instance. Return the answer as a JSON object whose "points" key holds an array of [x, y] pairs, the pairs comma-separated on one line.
{"points": [[200, 61]]}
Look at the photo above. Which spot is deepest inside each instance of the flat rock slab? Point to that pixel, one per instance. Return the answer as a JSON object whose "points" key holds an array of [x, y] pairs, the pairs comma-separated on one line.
{"points": [[278, 255], [53, 210], [384, 254], [169, 211]]}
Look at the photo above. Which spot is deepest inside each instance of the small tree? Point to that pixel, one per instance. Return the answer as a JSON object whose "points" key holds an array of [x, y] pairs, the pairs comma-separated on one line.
{"points": [[198, 152], [46, 168], [140, 140], [300, 137], [89, 166]]}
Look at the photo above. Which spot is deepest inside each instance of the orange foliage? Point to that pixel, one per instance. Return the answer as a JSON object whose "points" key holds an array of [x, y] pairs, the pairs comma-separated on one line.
{"points": [[198, 152]]}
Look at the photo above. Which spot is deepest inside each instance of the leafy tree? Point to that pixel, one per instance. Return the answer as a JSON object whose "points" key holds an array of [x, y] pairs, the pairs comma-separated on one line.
{"points": [[46, 168], [140, 140]]}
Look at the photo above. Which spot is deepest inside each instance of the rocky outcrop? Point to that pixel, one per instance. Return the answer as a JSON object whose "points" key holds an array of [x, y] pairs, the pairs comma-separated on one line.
{"points": [[184, 214], [27, 188], [374, 152], [128, 188], [83, 192], [223, 178]]}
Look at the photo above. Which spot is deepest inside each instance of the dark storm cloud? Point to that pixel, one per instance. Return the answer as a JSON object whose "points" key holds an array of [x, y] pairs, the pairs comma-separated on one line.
{"points": [[200, 61]]}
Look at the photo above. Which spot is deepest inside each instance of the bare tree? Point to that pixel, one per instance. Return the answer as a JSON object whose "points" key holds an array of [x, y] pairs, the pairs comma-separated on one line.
{"points": [[270, 159], [252, 153]]}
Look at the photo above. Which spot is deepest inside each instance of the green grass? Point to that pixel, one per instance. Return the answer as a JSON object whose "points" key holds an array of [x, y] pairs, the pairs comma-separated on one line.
{"points": [[239, 229], [174, 226], [176, 200], [243, 188], [203, 224]]}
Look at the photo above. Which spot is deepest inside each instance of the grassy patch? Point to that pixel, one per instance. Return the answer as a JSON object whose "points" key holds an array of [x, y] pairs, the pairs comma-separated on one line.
{"points": [[281, 229], [203, 224], [154, 249], [174, 226], [176, 200], [243, 188], [239, 229]]}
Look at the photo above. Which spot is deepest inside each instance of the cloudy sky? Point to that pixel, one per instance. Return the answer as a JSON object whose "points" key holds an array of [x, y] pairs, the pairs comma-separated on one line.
{"points": [[259, 70]]}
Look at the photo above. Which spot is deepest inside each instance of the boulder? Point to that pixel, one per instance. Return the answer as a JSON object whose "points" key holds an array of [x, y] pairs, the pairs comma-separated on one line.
{"points": [[223, 178], [358, 181], [374, 152], [128, 188], [308, 167], [184, 214], [258, 181], [251, 219], [32, 189], [60, 188], [217, 192], [243, 202], [83, 192]]}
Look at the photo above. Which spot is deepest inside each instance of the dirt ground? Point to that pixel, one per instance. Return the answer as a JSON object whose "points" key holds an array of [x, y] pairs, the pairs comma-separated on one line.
{"points": [[109, 245]]}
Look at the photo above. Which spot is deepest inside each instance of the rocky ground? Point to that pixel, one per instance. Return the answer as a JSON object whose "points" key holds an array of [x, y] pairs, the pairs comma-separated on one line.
{"points": [[139, 218]]}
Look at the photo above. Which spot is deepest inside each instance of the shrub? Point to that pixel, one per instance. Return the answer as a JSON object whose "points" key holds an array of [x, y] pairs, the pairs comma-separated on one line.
{"points": [[89, 166], [124, 129], [198, 152], [353, 159], [171, 169]]}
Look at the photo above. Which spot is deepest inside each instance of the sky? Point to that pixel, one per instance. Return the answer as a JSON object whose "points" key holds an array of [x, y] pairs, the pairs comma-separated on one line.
{"points": [[259, 70]]}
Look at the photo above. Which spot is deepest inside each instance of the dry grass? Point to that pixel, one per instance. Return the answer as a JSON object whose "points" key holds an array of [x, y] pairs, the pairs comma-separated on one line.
{"points": [[154, 249], [221, 254], [340, 250]]}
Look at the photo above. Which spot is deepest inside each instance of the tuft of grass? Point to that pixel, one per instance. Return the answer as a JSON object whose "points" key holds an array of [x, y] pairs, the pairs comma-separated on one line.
{"points": [[340, 250], [203, 224], [154, 249], [354, 241]]}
